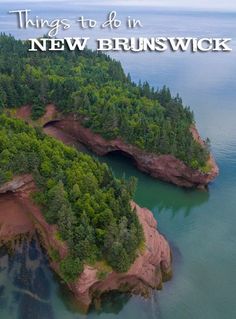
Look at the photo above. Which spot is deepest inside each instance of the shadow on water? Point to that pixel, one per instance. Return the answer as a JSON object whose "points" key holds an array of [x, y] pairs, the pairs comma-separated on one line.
{"points": [[121, 155], [158, 195], [112, 302]]}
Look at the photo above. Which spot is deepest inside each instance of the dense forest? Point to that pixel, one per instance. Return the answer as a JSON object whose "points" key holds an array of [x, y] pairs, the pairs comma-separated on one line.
{"points": [[90, 206], [95, 87]]}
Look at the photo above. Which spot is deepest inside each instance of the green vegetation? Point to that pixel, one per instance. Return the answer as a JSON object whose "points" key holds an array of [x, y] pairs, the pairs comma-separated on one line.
{"points": [[102, 275], [90, 206], [95, 87]]}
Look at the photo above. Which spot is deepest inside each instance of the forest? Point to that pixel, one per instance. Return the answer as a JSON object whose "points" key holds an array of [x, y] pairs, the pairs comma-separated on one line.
{"points": [[90, 206], [95, 87]]}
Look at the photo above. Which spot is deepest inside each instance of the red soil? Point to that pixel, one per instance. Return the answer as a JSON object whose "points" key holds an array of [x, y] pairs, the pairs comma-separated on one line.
{"points": [[24, 112], [14, 218]]}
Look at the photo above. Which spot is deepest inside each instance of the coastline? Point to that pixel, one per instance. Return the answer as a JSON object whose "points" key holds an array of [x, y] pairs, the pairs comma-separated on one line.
{"points": [[151, 268], [164, 167]]}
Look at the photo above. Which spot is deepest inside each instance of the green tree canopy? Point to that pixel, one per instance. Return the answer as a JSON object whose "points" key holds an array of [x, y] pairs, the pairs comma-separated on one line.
{"points": [[95, 87], [75, 192]]}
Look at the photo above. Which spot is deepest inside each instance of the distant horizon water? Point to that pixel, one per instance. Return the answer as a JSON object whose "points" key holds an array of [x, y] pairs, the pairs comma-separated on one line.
{"points": [[202, 5]]}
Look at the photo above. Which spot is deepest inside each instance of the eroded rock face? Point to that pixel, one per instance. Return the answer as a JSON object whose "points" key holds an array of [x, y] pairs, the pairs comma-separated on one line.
{"points": [[164, 167], [151, 267], [20, 216], [18, 184]]}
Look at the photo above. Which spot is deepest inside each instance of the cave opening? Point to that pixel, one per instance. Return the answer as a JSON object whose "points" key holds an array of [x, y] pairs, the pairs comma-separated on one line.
{"points": [[111, 302], [121, 155], [51, 123]]}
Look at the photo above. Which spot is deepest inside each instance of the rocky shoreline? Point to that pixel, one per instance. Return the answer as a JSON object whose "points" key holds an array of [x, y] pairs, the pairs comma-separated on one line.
{"points": [[15, 201], [151, 268], [164, 167], [153, 263]]}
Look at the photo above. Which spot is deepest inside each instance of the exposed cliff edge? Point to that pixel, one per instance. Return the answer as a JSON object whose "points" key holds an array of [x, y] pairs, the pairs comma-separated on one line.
{"points": [[164, 167], [20, 216], [151, 267]]}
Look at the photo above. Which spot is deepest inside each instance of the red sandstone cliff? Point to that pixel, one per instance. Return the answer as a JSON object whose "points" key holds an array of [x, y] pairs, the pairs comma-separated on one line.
{"points": [[20, 216], [150, 269], [164, 167]]}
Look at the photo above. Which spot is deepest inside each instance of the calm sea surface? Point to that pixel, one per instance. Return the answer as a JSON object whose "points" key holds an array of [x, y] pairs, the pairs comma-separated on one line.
{"points": [[201, 226]]}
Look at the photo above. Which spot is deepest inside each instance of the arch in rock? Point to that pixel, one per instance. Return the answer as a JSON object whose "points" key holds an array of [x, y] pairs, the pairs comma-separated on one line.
{"points": [[49, 123], [124, 154]]}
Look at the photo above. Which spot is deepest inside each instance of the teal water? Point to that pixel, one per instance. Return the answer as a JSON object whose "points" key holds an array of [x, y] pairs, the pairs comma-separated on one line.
{"points": [[201, 226]]}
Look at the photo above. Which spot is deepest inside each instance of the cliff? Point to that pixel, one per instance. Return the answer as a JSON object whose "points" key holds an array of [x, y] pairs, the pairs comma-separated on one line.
{"points": [[164, 167], [151, 267], [20, 216]]}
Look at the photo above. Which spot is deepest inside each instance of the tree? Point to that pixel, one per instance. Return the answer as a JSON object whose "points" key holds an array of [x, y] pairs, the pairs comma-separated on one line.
{"points": [[71, 268], [57, 197]]}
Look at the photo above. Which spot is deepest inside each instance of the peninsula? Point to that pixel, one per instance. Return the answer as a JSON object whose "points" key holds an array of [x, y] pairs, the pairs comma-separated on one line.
{"points": [[97, 239], [150, 125]]}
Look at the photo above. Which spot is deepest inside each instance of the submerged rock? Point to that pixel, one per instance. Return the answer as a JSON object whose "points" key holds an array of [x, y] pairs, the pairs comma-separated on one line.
{"points": [[31, 308], [151, 267], [26, 290]]}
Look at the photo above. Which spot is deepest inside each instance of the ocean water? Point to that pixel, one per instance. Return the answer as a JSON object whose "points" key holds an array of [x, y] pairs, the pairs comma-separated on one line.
{"points": [[201, 226]]}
